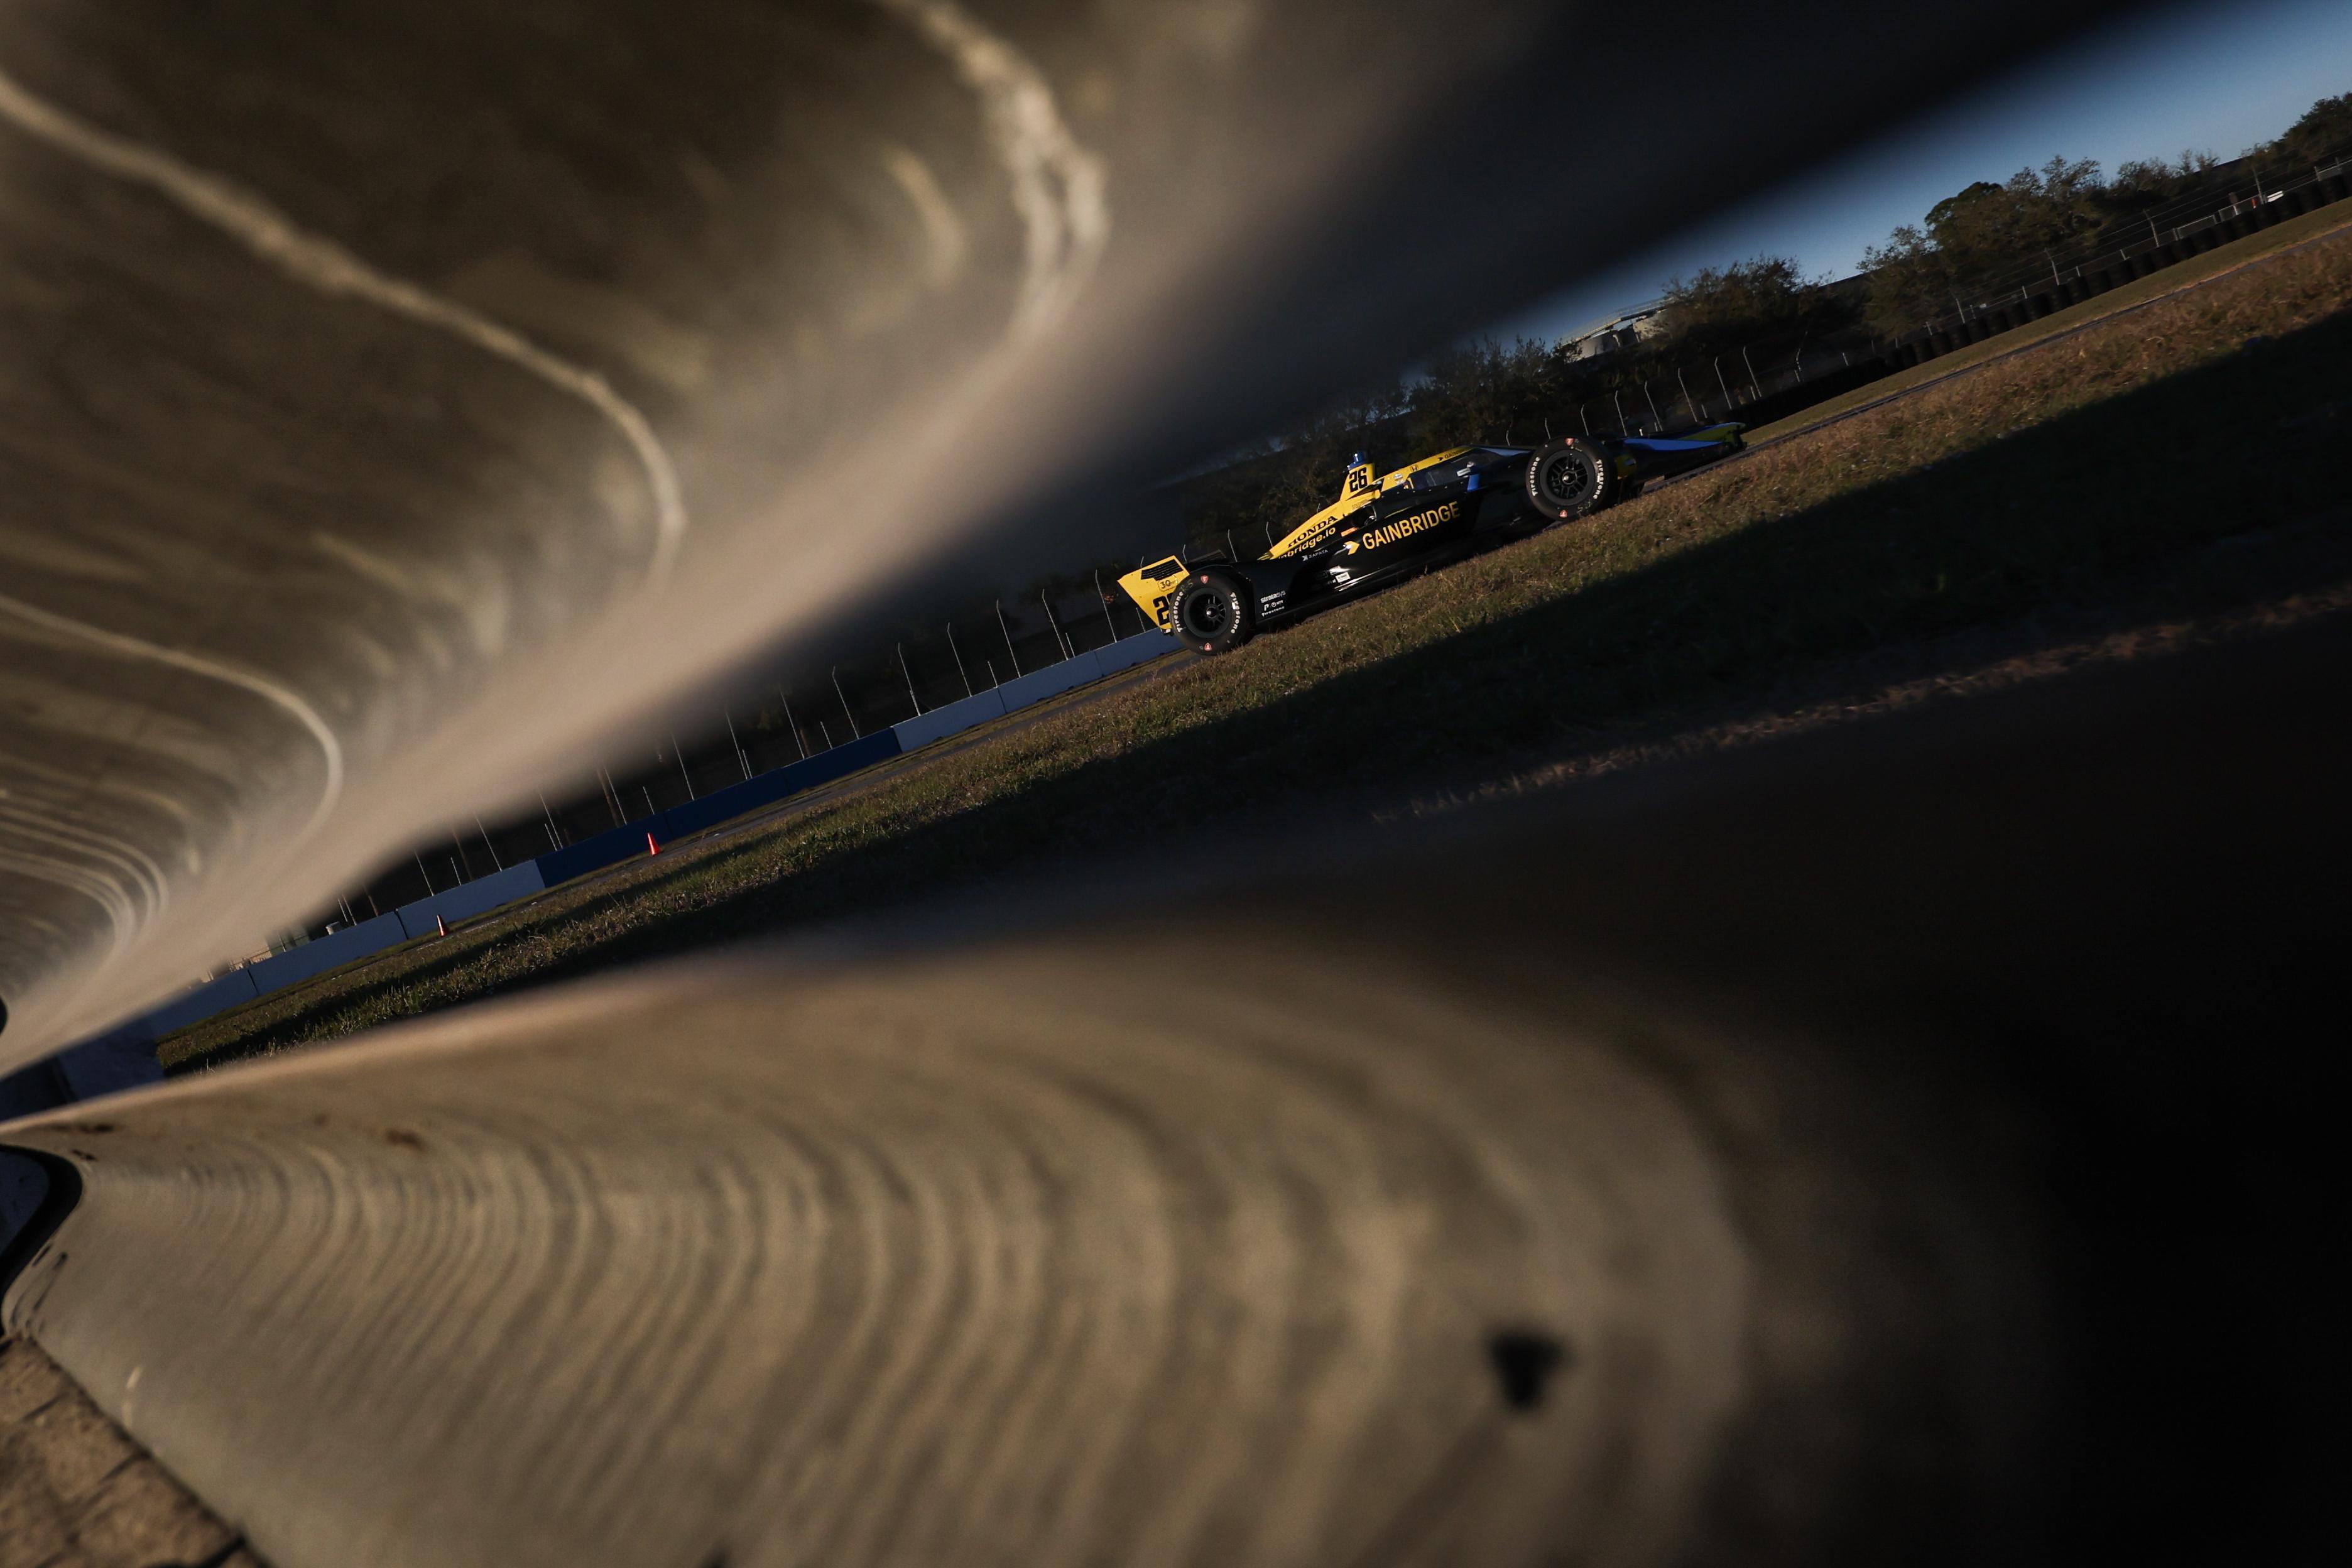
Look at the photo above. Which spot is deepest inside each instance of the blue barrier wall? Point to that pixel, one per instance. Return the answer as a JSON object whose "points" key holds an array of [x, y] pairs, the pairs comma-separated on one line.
{"points": [[593, 854], [230, 989]]}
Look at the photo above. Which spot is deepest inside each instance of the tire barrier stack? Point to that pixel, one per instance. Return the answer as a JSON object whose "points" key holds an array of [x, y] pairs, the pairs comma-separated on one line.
{"points": [[124, 1057]]}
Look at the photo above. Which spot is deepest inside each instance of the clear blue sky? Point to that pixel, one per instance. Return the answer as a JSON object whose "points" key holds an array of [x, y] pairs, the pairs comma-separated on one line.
{"points": [[2218, 76]]}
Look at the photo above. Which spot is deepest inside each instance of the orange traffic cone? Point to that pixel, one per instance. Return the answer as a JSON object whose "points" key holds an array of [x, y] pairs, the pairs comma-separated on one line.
{"points": [[440, 926], [651, 847]]}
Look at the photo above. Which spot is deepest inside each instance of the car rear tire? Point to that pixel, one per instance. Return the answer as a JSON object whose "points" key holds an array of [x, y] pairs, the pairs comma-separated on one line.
{"points": [[1574, 477], [1214, 611]]}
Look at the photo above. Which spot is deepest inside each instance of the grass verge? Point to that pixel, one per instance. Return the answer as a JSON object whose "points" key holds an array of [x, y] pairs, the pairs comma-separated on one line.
{"points": [[2111, 465]]}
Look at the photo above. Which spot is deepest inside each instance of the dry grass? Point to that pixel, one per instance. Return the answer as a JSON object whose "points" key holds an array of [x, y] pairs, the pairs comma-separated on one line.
{"points": [[2091, 476]]}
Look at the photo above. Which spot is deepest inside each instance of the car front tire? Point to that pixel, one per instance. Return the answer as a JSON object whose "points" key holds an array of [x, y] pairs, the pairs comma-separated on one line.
{"points": [[1213, 612], [1574, 477]]}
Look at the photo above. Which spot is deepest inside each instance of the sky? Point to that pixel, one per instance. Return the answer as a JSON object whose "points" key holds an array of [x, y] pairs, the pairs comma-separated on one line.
{"points": [[2216, 77]]}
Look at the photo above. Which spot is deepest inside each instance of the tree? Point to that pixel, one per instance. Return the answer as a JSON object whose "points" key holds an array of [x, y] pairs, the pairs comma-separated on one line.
{"points": [[2325, 131], [2145, 181], [1976, 235], [1717, 310]]}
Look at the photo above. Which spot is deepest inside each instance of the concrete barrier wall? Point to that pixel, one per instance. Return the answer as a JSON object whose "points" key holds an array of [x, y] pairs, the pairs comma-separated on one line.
{"points": [[119, 1060], [1034, 687], [1050, 681], [230, 989], [459, 903], [950, 720], [1129, 652], [331, 952], [596, 853]]}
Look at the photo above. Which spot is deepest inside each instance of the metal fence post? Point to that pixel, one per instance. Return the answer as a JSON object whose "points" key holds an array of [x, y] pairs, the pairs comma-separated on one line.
{"points": [[742, 758], [1688, 407], [1010, 651], [1752, 384], [1727, 399], [959, 658], [846, 711], [1109, 625], [679, 753], [1654, 404], [555, 836], [1056, 627], [903, 670], [792, 724], [495, 862], [418, 856], [1620, 402]]}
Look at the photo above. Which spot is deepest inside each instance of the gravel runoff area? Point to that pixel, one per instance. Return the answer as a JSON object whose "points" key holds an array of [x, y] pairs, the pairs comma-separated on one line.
{"points": [[2170, 472], [76, 1492]]}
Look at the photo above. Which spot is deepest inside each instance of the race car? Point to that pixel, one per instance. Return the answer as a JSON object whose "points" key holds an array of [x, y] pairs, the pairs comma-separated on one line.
{"points": [[1462, 500]]}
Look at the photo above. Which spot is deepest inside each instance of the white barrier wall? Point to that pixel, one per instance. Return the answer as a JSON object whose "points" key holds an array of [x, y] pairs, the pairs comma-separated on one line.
{"points": [[1034, 687], [940, 722], [1129, 652]]}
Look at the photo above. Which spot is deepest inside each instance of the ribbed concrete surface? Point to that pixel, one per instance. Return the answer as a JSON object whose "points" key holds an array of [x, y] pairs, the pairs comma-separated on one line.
{"points": [[971, 1259]]}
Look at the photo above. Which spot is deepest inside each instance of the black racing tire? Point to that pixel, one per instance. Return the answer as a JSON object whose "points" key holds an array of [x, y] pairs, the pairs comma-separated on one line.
{"points": [[1214, 611], [1574, 477]]}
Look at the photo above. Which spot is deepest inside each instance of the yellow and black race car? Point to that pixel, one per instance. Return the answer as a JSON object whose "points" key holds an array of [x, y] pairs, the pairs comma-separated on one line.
{"points": [[1440, 509]]}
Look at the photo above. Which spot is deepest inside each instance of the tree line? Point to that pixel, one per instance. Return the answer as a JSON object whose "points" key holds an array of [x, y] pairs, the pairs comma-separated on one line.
{"points": [[1522, 391]]}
